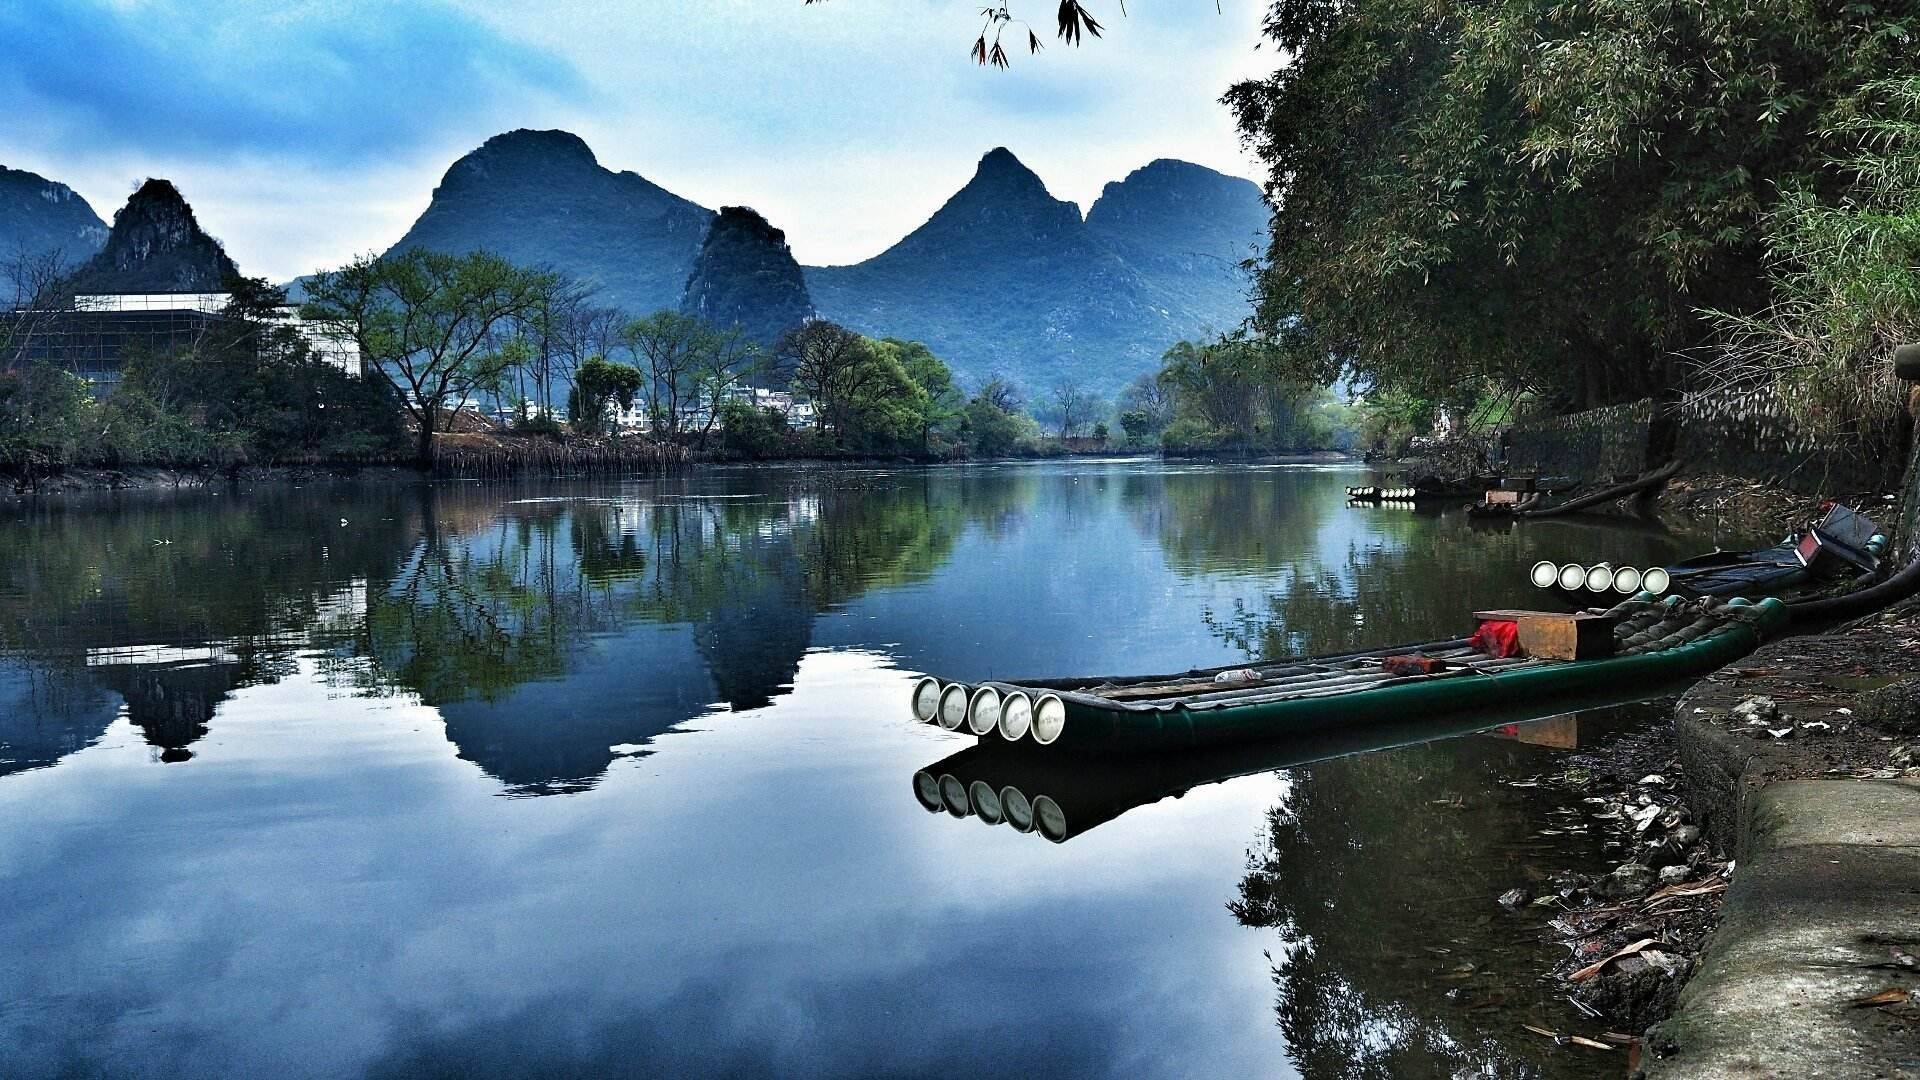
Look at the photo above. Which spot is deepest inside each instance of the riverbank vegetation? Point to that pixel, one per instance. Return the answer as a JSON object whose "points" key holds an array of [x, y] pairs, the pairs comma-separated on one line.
{"points": [[1590, 203], [249, 389]]}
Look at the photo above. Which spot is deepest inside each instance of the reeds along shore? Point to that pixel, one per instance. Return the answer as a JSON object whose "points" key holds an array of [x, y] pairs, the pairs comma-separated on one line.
{"points": [[457, 455]]}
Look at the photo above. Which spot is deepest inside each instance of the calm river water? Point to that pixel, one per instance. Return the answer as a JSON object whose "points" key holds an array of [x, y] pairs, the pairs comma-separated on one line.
{"points": [[548, 780]]}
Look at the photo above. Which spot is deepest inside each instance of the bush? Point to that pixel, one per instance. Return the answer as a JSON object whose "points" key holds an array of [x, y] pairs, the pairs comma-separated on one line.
{"points": [[751, 432], [548, 426], [46, 415]]}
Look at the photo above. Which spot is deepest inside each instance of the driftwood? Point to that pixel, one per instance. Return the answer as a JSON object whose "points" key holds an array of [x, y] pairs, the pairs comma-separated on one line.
{"points": [[1647, 482]]}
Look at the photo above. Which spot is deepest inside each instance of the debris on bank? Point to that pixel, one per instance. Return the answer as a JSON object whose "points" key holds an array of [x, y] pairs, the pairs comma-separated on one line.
{"points": [[1632, 934]]}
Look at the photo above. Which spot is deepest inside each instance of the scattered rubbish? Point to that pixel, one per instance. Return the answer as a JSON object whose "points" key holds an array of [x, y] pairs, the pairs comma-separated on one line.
{"points": [[1757, 710], [1593, 969]]}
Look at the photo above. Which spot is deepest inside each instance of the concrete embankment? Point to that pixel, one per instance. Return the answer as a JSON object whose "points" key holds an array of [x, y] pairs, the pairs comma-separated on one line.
{"points": [[1800, 760], [1811, 965], [1821, 922]]}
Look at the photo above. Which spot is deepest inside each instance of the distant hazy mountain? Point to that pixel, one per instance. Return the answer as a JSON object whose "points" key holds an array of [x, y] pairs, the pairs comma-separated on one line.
{"points": [[540, 198], [746, 276], [156, 245], [1007, 279], [1186, 229], [1003, 279], [38, 215]]}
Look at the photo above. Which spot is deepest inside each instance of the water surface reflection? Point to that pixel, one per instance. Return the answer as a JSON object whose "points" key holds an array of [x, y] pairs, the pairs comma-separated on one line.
{"points": [[252, 748]]}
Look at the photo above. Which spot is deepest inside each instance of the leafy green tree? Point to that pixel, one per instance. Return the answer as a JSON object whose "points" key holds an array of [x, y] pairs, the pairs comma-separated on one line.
{"points": [[597, 384], [46, 416], [751, 432], [942, 403], [994, 422], [1542, 193], [426, 321], [836, 369], [1845, 290]]}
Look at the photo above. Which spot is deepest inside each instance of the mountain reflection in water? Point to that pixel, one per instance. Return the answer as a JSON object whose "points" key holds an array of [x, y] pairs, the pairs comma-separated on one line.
{"points": [[251, 748]]}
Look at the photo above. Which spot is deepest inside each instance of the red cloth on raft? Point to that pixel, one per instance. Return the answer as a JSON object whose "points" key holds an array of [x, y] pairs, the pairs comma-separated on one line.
{"points": [[1498, 638]]}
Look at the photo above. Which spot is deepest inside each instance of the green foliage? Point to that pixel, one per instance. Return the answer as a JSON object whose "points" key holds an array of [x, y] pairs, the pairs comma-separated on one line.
{"points": [[46, 415], [1237, 394], [751, 432], [251, 389], [256, 387], [888, 396], [1846, 288], [597, 384], [993, 423], [1542, 193], [428, 321], [939, 402]]}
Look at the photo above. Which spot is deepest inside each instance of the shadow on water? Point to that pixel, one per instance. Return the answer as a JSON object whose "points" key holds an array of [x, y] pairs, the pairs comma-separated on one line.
{"points": [[553, 624], [1378, 869]]}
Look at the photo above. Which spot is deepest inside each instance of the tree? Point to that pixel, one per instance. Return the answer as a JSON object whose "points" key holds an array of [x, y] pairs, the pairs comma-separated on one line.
{"points": [[1238, 393], [597, 384], [727, 361], [993, 421], [1845, 293], [1541, 194], [834, 367], [1074, 405], [751, 432], [426, 321], [941, 401], [35, 292], [254, 378], [669, 350], [1145, 408], [577, 332]]}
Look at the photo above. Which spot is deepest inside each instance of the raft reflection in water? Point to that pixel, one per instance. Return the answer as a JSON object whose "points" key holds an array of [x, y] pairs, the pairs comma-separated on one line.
{"points": [[1060, 799]]}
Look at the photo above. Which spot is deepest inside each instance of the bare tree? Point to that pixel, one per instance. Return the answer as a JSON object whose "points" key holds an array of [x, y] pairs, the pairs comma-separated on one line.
{"points": [[833, 367], [729, 360], [667, 347], [37, 295], [1075, 406]]}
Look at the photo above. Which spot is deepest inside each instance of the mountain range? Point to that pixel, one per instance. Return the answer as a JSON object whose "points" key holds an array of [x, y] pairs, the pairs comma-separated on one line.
{"points": [[1004, 279], [38, 215]]}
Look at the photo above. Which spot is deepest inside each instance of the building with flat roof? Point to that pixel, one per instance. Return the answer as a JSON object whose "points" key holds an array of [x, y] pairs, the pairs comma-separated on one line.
{"points": [[93, 336]]}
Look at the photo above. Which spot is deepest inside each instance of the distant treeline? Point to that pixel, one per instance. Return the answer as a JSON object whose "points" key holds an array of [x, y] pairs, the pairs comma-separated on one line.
{"points": [[441, 336]]}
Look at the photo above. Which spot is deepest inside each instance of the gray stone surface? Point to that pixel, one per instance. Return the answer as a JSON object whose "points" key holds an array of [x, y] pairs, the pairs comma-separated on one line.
{"points": [[1826, 886]]}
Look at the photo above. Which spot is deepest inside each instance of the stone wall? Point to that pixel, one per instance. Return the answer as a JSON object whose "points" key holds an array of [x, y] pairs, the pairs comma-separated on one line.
{"points": [[1754, 435], [1596, 445], [1751, 435]]}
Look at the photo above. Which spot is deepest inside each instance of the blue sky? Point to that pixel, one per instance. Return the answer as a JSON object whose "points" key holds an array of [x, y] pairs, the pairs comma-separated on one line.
{"points": [[305, 131]]}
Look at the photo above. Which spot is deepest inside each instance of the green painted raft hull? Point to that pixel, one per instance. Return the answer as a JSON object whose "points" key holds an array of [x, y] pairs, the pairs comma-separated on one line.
{"points": [[1096, 726]]}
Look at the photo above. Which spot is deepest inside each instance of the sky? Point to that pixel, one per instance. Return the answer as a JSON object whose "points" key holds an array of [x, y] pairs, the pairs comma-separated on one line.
{"points": [[305, 132]]}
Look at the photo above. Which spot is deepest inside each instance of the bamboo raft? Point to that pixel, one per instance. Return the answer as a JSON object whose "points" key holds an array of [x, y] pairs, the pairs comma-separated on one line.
{"points": [[1652, 640]]}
